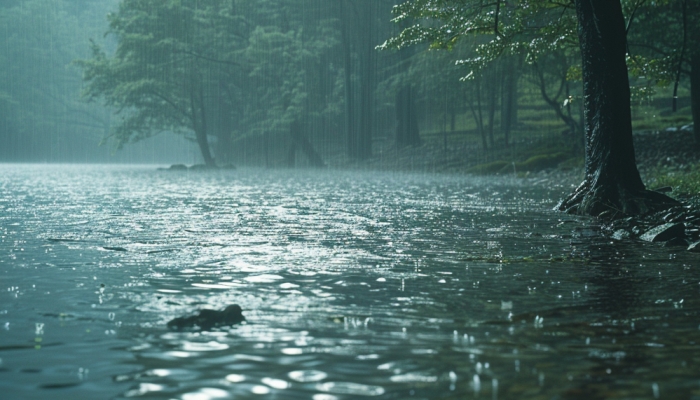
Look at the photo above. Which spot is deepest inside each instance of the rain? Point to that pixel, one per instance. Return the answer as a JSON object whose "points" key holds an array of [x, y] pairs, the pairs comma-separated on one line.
{"points": [[327, 200]]}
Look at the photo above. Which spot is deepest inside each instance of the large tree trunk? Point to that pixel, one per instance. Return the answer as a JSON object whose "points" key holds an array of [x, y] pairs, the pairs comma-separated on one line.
{"points": [[695, 93], [612, 186]]}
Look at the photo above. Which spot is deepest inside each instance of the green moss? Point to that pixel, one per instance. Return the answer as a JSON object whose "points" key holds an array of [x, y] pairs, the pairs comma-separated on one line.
{"points": [[572, 163], [542, 161], [684, 183]]}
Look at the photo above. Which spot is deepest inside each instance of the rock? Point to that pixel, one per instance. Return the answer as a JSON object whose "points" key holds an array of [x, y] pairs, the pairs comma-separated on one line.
{"points": [[178, 167], [695, 247], [676, 242], [664, 233], [621, 234], [207, 319], [114, 248]]}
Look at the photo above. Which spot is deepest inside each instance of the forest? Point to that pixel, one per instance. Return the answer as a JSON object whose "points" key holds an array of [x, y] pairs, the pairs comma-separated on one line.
{"points": [[255, 83]]}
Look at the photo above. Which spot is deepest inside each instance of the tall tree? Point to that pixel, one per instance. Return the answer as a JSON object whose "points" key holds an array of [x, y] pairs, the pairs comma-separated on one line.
{"points": [[167, 67], [612, 186]]}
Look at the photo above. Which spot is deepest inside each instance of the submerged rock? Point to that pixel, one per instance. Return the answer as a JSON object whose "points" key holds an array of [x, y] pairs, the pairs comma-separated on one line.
{"points": [[178, 167], [621, 234], [664, 233], [207, 319], [695, 247]]}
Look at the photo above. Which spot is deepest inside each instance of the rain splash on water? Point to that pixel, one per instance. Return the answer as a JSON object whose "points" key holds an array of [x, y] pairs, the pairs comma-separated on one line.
{"points": [[353, 285]]}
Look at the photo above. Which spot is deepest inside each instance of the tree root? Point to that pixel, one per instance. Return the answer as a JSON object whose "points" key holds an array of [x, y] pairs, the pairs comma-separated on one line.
{"points": [[611, 202]]}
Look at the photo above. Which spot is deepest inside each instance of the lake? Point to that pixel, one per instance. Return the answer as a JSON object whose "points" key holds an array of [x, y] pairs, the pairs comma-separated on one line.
{"points": [[353, 284]]}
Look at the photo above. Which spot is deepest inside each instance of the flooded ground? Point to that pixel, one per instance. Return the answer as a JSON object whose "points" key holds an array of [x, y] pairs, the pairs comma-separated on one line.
{"points": [[353, 285]]}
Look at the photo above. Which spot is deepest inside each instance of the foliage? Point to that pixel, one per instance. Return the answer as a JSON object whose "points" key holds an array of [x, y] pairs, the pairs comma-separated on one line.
{"points": [[167, 64], [532, 28]]}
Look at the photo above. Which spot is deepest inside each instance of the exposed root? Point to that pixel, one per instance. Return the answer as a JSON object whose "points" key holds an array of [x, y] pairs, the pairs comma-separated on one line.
{"points": [[612, 202]]}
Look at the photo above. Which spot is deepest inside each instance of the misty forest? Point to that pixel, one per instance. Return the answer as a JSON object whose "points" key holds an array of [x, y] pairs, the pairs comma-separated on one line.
{"points": [[343, 199]]}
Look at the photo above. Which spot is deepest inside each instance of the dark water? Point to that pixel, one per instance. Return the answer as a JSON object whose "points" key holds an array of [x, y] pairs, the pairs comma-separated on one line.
{"points": [[354, 285]]}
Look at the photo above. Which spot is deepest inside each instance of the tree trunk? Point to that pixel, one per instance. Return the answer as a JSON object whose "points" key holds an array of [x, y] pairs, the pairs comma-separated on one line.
{"points": [[350, 120], [492, 110], [300, 140], [612, 187], [406, 119], [509, 94], [478, 117], [367, 71], [199, 125], [695, 94]]}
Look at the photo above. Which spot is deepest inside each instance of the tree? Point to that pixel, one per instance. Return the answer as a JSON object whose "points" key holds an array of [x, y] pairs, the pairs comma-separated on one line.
{"points": [[171, 67], [612, 186], [664, 46]]}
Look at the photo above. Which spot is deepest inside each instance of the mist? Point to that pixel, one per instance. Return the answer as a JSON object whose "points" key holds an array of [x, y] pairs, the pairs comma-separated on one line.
{"points": [[339, 199]]}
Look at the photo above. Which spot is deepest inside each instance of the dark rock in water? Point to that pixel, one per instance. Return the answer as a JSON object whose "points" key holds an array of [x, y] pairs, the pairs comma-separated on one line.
{"points": [[676, 242], [178, 167], [113, 248], [207, 319], [664, 233]]}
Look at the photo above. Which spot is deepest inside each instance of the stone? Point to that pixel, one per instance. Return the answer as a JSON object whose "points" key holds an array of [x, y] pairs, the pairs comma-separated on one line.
{"points": [[695, 247], [178, 167], [207, 319], [621, 234], [664, 233]]}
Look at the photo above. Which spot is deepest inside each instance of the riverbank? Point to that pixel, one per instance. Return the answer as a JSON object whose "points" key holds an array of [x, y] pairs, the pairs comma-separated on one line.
{"points": [[668, 160]]}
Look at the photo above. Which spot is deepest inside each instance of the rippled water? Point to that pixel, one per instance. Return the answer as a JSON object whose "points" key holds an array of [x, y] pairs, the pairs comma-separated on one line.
{"points": [[353, 285]]}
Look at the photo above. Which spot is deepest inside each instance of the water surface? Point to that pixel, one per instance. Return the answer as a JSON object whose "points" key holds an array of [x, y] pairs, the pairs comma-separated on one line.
{"points": [[354, 285]]}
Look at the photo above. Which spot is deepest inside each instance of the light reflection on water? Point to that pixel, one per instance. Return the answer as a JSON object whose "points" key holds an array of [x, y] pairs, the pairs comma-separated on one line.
{"points": [[353, 285]]}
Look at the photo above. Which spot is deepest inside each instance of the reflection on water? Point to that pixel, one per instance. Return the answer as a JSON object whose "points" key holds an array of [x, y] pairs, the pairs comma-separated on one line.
{"points": [[353, 285]]}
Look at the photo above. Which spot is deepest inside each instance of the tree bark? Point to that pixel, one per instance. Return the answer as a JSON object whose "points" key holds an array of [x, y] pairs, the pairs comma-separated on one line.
{"points": [[695, 94], [612, 186], [199, 124]]}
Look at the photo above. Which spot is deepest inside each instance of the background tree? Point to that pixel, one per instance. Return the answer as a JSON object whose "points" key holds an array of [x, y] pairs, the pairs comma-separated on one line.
{"points": [[665, 48], [166, 73]]}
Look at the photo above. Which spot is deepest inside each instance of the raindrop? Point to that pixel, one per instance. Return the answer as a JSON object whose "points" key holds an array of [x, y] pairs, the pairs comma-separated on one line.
{"points": [[655, 390], [476, 384]]}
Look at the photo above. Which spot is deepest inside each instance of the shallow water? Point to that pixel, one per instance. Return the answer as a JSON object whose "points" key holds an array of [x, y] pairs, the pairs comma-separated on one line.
{"points": [[353, 285]]}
